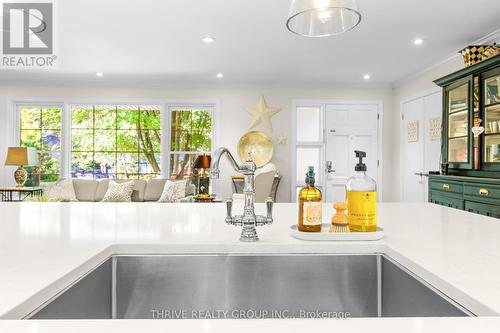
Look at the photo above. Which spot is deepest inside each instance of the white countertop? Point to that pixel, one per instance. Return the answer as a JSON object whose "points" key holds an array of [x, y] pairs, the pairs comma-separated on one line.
{"points": [[46, 246]]}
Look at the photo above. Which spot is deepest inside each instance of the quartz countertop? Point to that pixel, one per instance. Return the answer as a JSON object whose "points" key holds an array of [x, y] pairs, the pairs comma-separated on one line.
{"points": [[44, 247]]}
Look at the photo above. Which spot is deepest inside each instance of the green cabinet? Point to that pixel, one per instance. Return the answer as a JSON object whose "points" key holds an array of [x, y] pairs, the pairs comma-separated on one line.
{"points": [[482, 208], [473, 194], [446, 192], [457, 118], [471, 98], [447, 201], [470, 163], [491, 136]]}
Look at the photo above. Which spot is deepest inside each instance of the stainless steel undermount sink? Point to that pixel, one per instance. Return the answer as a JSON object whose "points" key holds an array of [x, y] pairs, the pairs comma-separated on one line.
{"points": [[248, 286]]}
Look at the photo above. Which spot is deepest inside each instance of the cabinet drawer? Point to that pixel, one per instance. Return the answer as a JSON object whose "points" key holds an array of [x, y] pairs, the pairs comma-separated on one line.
{"points": [[483, 191], [452, 187], [440, 198], [483, 209]]}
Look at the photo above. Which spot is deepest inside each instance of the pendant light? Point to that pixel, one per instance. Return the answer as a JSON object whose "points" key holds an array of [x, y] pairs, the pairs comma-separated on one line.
{"points": [[322, 18]]}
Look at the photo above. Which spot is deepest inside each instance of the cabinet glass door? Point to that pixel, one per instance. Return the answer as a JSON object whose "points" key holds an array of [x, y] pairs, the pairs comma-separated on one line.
{"points": [[492, 117], [458, 106]]}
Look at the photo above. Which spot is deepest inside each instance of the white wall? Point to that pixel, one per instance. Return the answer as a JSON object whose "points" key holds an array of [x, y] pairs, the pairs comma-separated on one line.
{"points": [[233, 121], [417, 86]]}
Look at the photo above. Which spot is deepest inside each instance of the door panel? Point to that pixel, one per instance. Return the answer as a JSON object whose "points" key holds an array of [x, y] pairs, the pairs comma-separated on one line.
{"points": [[413, 152], [341, 164], [349, 128], [423, 155], [342, 118], [432, 147], [458, 145], [361, 117]]}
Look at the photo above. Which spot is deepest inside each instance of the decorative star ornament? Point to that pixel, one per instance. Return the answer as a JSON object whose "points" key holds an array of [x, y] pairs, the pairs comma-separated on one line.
{"points": [[281, 139], [262, 114]]}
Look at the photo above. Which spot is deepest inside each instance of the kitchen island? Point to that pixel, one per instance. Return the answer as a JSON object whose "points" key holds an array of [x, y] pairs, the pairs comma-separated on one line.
{"points": [[45, 247]]}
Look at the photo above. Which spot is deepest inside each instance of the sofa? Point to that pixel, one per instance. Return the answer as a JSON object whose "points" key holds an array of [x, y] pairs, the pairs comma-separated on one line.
{"points": [[92, 190]]}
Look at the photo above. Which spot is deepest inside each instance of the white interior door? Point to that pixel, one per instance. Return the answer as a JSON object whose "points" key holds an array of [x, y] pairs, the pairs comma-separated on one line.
{"points": [[349, 128], [413, 151], [420, 152]]}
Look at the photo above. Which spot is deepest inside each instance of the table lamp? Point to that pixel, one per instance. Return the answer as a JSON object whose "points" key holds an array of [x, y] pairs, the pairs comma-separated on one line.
{"points": [[202, 163], [21, 157]]}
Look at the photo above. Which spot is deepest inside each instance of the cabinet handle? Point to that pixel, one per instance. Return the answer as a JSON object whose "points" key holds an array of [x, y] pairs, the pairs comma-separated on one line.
{"points": [[446, 186], [484, 191]]}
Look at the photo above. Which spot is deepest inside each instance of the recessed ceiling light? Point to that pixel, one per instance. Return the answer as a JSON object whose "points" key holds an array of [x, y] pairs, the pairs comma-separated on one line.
{"points": [[220, 75], [418, 41], [208, 39], [99, 74], [366, 76]]}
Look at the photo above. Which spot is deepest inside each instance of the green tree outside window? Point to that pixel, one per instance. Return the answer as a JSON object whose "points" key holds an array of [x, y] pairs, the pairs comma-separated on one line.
{"points": [[40, 128], [190, 136], [111, 141], [116, 141]]}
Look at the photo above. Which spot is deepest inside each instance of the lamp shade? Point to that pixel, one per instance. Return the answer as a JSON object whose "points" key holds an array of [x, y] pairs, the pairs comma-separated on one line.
{"points": [[21, 156], [321, 18], [202, 162]]}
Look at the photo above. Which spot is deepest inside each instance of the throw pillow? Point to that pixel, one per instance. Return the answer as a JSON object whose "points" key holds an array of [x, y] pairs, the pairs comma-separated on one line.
{"points": [[119, 192], [173, 191], [62, 190], [190, 188]]}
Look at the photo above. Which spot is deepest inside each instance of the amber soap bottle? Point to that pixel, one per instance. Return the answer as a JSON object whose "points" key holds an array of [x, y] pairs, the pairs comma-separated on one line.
{"points": [[310, 205]]}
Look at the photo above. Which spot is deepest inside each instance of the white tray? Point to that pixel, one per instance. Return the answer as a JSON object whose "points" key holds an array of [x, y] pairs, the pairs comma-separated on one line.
{"points": [[324, 235]]}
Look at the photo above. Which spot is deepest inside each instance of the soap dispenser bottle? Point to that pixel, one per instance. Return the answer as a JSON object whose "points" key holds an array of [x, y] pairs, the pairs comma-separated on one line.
{"points": [[361, 194], [310, 205]]}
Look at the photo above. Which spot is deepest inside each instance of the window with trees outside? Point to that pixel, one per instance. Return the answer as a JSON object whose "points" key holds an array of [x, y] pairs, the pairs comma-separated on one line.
{"points": [[190, 136], [116, 141], [109, 141], [40, 128]]}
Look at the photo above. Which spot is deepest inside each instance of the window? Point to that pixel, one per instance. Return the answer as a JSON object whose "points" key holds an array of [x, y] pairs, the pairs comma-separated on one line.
{"points": [[115, 141], [109, 141], [190, 136], [309, 146], [40, 128]]}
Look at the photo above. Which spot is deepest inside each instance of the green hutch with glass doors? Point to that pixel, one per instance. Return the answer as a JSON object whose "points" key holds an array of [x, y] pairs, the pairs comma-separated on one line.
{"points": [[469, 178]]}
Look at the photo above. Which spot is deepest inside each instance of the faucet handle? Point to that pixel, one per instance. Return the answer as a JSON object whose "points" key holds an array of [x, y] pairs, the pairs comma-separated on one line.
{"points": [[229, 209], [269, 206]]}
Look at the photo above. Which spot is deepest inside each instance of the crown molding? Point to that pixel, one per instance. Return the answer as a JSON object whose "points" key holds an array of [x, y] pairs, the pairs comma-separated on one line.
{"points": [[492, 36]]}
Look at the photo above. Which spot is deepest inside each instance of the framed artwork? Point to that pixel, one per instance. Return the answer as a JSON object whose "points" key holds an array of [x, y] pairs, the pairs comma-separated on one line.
{"points": [[412, 129], [435, 128]]}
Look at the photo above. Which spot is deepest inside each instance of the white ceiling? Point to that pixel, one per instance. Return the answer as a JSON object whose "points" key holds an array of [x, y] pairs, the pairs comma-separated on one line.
{"points": [[160, 41]]}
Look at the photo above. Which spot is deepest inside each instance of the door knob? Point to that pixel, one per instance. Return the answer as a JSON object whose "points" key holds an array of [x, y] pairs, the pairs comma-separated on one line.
{"points": [[329, 167]]}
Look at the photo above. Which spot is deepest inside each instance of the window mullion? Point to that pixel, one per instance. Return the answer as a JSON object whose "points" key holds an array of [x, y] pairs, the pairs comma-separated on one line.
{"points": [[116, 141], [165, 145], [65, 141], [93, 142]]}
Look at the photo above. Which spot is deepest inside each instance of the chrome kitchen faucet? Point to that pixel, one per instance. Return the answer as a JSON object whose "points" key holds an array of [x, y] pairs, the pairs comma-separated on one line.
{"points": [[248, 220]]}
